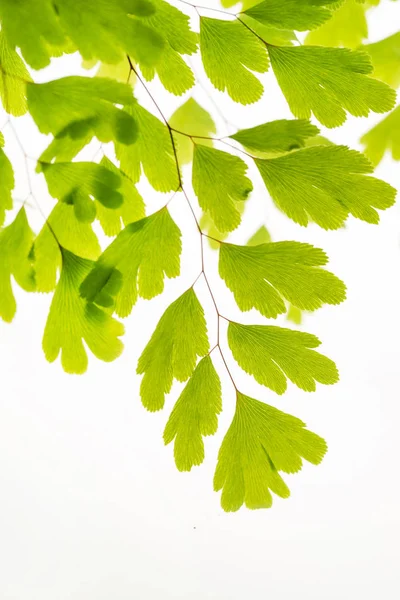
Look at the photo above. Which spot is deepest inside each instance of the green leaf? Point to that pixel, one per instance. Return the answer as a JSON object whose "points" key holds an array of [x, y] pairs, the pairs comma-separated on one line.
{"points": [[220, 182], [145, 252], [325, 184], [72, 320], [6, 183], [294, 315], [276, 136], [193, 120], [195, 415], [261, 236], [262, 276], [272, 354], [384, 136], [14, 76], [77, 183], [179, 338], [174, 28], [89, 104], [300, 15], [15, 245], [385, 56], [270, 35], [67, 143], [347, 27], [328, 82], [61, 229], [132, 208], [153, 153], [230, 53], [260, 442]]}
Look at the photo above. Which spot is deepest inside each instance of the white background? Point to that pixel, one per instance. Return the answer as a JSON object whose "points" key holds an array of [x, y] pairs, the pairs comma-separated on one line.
{"points": [[91, 504]]}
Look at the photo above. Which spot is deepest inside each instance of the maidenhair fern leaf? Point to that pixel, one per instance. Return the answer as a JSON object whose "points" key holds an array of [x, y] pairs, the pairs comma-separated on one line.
{"points": [[6, 183], [272, 354], [328, 82], [13, 78], [260, 442], [325, 184], [88, 103], [347, 27], [262, 276], [276, 136], [15, 246], [384, 136], [230, 53], [145, 252], [152, 152], [193, 120], [179, 338], [261, 236], [220, 182], [195, 415], [72, 320], [300, 15], [385, 56]]}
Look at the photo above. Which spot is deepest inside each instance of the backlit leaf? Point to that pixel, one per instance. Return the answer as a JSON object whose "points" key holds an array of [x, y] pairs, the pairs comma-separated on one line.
{"points": [[193, 120], [300, 15], [6, 183], [276, 136], [14, 76], [385, 56], [347, 27], [385, 136]]}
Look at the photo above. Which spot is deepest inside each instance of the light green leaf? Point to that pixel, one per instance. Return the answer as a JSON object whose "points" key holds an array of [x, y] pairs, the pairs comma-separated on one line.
{"points": [[300, 15], [263, 276], [260, 442], [77, 183], [179, 338], [270, 35], [347, 27], [145, 252], [153, 152], [219, 182], [195, 415], [61, 229], [276, 136], [261, 236], [67, 143], [71, 320], [14, 76], [384, 136], [325, 184], [385, 56], [132, 208], [230, 53], [194, 120], [85, 105], [328, 82], [6, 183], [272, 354], [15, 246], [294, 315]]}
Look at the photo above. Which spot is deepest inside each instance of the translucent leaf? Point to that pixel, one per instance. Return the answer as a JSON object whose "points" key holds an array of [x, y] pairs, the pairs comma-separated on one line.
{"points": [[230, 53], [347, 27], [145, 252], [328, 82], [384, 136], [14, 74], [67, 143], [269, 34], [179, 338], [174, 27], [6, 183], [192, 119], [325, 184], [263, 276], [300, 15], [261, 236], [72, 320], [132, 208], [276, 136], [260, 442], [219, 182], [273, 354], [87, 103], [294, 315], [152, 152], [62, 229], [195, 415], [77, 183], [15, 245], [385, 56]]}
